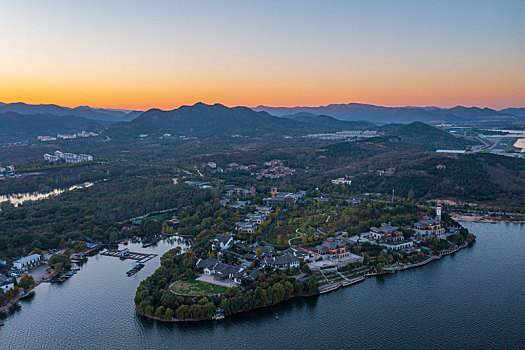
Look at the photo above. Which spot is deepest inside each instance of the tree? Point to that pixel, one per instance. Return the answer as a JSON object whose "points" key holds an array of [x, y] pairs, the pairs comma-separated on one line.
{"points": [[61, 259], [37, 251], [26, 282], [168, 315], [160, 312]]}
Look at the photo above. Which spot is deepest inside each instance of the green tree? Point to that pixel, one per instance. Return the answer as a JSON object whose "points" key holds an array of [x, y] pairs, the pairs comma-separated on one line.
{"points": [[168, 315], [26, 282], [61, 259]]}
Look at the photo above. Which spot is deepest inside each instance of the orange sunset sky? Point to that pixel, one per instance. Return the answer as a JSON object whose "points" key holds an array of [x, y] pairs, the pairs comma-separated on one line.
{"points": [[140, 55]]}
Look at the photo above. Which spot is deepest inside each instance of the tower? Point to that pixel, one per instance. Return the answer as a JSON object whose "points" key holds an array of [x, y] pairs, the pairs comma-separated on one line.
{"points": [[438, 212]]}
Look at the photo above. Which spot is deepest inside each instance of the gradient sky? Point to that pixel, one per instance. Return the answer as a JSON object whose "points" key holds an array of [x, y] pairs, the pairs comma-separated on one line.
{"points": [[144, 54]]}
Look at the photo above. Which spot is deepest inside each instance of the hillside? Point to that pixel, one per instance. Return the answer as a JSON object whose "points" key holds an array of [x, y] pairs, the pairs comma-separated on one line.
{"points": [[14, 126], [81, 111], [426, 136], [518, 112], [203, 120]]}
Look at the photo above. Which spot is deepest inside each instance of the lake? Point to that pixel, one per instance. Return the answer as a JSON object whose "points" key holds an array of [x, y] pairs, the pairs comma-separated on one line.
{"points": [[471, 300]]}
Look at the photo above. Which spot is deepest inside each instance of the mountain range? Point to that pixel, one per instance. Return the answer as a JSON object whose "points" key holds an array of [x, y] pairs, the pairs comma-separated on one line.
{"points": [[383, 115], [111, 115], [14, 126], [205, 120]]}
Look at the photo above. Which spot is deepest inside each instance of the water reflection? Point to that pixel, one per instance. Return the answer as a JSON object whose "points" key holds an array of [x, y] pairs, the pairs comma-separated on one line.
{"points": [[19, 198]]}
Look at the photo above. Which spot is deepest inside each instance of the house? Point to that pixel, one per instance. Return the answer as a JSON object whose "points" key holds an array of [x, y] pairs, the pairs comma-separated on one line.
{"points": [[28, 262], [255, 218], [294, 252], [281, 262], [386, 233], [254, 275], [428, 227], [223, 242], [6, 283], [264, 210], [247, 228], [219, 270]]}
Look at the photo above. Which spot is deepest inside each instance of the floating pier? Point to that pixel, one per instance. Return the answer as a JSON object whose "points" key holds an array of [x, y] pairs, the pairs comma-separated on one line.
{"points": [[127, 254]]}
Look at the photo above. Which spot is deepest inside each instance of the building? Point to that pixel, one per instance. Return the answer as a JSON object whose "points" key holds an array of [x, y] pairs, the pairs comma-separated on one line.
{"points": [[221, 271], [222, 242], [264, 210], [241, 192], [47, 138], [68, 158], [332, 249], [28, 262], [428, 227], [386, 233], [281, 198], [6, 283], [281, 262], [341, 181], [298, 253], [399, 245]]}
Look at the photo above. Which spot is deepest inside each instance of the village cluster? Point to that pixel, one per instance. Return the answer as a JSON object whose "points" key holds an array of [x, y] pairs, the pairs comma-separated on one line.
{"points": [[81, 134], [335, 251], [272, 169]]}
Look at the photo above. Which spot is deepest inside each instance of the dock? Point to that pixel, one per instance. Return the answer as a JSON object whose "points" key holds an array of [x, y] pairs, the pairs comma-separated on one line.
{"points": [[126, 254]]}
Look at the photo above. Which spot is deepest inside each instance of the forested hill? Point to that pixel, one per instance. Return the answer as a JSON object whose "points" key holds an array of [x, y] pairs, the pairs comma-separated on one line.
{"points": [[426, 136], [203, 120], [14, 126]]}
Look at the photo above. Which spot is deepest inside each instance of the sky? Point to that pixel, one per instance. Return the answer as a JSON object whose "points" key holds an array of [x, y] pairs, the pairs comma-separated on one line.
{"points": [[144, 54]]}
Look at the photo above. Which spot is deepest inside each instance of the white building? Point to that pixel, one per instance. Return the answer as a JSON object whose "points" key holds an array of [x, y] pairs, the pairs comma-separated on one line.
{"points": [[28, 262], [341, 181], [399, 245], [6, 283]]}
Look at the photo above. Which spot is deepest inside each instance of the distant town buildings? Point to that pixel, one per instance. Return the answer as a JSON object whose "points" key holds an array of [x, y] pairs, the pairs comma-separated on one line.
{"points": [[7, 169], [342, 181], [46, 138], [275, 170], [343, 135], [386, 172], [68, 158]]}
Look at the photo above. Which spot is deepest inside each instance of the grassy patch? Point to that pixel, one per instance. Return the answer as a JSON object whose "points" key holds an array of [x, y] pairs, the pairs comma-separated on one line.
{"points": [[197, 288]]}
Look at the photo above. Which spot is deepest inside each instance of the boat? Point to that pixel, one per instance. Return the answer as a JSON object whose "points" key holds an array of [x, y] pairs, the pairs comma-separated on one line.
{"points": [[218, 316], [135, 269], [1, 323], [276, 317], [145, 245]]}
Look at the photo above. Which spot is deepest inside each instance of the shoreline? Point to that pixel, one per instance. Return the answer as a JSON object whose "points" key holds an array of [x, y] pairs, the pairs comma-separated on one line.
{"points": [[16, 299], [332, 287], [486, 218]]}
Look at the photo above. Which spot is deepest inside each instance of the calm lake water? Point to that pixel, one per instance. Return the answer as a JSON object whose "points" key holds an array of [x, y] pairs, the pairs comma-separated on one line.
{"points": [[19, 198], [472, 300]]}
